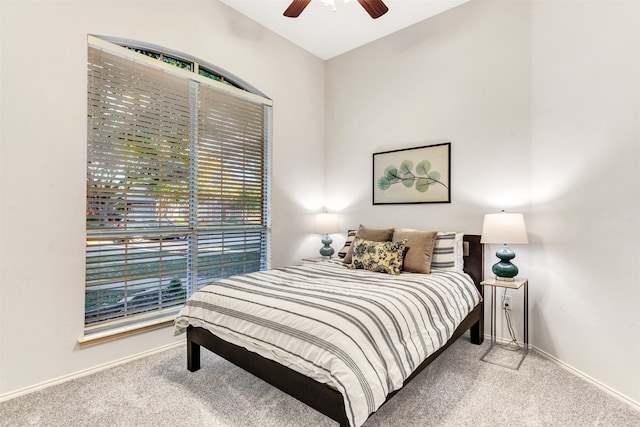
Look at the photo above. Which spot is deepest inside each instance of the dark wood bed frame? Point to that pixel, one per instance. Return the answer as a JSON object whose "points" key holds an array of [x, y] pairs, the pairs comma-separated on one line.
{"points": [[321, 397]]}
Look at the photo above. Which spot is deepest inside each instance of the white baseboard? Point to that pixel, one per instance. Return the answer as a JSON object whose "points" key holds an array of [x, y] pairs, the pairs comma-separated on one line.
{"points": [[604, 387], [95, 369], [85, 372], [576, 372]]}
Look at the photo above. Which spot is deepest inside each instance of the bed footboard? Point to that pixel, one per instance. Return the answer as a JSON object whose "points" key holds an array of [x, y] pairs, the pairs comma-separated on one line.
{"points": [[320, 397]]}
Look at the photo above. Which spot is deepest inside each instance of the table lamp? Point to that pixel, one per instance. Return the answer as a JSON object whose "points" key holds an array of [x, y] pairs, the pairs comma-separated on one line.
{"points": [[326, 223], [504, 228]]}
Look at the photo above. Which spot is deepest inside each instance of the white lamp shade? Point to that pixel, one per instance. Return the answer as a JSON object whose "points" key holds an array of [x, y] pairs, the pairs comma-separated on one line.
{"points": [[504, 228], [326, 223]]}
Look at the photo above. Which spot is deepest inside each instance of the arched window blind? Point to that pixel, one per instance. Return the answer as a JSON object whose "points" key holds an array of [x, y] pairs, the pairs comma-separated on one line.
{"points": [[177, 185]]}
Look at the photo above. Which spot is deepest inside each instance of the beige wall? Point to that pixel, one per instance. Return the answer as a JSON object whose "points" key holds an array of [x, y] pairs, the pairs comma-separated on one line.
{"points": [[585, 187], [461, 76], [43, 155], [541, 101]]}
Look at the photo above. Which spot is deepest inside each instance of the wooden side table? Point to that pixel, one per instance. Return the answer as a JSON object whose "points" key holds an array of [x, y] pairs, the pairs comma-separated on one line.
{"points": [[517, 283]]}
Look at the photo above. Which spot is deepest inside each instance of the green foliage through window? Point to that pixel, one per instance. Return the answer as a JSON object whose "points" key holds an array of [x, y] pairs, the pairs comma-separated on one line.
{"points": [[185, 65]]}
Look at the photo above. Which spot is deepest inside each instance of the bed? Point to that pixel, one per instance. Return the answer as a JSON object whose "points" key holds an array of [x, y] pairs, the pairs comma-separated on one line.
{"points": [[350, 369]]}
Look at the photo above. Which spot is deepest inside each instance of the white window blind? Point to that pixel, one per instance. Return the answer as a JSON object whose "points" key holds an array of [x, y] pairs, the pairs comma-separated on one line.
{"points": [[177, 186]]}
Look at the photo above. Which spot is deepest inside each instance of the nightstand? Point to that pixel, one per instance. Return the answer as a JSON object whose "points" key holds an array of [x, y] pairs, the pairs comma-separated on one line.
{"points": [[517, 283]]}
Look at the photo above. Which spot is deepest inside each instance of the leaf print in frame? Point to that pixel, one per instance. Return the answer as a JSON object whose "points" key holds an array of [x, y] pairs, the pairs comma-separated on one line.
{"points": [[413, 175]]}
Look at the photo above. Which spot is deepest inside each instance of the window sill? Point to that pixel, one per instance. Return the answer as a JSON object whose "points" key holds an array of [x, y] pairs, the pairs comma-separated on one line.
{"points": [[94, 338]]}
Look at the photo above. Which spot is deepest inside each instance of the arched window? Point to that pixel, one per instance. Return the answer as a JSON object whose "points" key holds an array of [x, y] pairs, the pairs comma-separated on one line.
{"points": [[178, 167]]}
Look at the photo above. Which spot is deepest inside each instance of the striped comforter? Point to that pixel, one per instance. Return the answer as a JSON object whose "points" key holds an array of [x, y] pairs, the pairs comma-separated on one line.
{"points": [[359, 331]]}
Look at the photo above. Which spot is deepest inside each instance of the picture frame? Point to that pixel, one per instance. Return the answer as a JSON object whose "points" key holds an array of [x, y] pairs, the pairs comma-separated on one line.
{"points": [[413, 175]]}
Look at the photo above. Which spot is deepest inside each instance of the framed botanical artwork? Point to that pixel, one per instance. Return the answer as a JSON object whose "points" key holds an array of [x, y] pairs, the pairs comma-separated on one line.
{"points": [[413, 175]]}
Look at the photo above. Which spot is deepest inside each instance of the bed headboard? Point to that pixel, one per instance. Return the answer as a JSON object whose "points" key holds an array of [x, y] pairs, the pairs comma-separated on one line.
{"points": [[474, 259]]}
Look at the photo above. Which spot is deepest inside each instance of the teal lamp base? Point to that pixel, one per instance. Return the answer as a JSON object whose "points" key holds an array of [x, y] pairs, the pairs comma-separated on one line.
{"points": [[505, 270], [326, 250]]}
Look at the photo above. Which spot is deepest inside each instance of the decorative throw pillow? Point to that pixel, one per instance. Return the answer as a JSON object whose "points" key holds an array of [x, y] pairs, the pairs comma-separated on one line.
{"points": [[372, 234], [381, 257], [351, 234], [417, 258], [448, 252]]}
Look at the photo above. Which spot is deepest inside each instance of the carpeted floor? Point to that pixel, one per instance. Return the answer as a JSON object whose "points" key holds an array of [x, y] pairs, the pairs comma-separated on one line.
{"points": [[456, 390]]}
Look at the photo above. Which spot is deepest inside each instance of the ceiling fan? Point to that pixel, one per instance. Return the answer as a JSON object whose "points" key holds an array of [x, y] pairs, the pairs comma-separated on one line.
{"points": [[375, 8]]}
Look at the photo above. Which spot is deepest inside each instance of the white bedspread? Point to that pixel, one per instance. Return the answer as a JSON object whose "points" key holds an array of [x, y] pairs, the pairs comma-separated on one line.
{"points": [[361, 332]]}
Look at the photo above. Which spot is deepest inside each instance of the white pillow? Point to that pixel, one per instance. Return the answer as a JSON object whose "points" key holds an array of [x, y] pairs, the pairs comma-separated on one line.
{"points": [[448, 252]]}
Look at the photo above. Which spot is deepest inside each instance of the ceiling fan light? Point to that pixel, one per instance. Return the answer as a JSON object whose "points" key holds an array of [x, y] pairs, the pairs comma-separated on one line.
{"points": [[375, 8], [332, 3], [329, 3]]}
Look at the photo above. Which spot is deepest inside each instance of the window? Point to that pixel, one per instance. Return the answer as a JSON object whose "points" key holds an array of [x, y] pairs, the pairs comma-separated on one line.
{"points": [[177, 182]]}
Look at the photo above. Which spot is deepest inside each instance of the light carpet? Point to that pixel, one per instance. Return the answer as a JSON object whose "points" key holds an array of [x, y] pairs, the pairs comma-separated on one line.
{"points": [[458, 389]]}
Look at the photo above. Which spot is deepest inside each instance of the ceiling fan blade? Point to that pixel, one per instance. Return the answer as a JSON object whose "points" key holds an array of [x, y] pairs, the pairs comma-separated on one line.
{"points": [[375, 8], [295, 8]]}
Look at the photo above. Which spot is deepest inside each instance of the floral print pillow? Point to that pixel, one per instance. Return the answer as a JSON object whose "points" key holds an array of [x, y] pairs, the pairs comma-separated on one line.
{"points": [[382, 257]]}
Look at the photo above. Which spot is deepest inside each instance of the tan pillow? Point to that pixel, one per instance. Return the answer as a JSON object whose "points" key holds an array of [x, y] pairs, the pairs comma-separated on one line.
{"points": [[419, 246], [371, 234]]}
